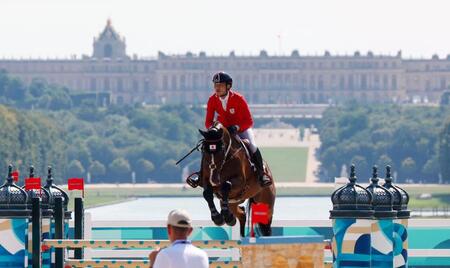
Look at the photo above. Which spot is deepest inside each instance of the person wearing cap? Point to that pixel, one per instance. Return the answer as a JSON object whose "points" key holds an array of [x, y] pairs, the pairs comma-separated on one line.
{"points": [[181, 253], [233, 113]]}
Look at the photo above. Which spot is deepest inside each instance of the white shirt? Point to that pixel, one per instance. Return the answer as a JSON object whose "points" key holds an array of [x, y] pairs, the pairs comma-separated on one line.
{"points": [[181, 254], [224, 101]]}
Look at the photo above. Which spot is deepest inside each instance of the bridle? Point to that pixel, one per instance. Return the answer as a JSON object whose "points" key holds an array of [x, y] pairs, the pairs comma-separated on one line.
{"points": [[213, 166]]}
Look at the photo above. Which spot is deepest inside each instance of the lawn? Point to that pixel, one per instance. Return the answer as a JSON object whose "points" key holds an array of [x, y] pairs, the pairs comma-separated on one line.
{"points": [[287, 164], [104, 196]]}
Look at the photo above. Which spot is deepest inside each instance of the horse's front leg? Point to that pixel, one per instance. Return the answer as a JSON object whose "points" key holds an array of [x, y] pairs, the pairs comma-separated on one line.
{"points": [[208, 194], [228, 216]]}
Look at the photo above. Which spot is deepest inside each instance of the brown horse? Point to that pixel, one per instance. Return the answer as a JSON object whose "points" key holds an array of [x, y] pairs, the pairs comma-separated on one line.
{"points": [[227, 173]]}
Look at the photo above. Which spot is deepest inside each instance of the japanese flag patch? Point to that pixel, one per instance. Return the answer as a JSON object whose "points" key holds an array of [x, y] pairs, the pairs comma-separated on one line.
{"points": [[212, 147]]}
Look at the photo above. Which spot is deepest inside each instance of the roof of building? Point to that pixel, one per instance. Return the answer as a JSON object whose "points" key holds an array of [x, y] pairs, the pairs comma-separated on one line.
{"points": [[109, 32]]}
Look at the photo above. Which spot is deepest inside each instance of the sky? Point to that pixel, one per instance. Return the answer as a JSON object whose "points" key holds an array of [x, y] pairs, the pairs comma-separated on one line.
{"points": [[61, 28]]}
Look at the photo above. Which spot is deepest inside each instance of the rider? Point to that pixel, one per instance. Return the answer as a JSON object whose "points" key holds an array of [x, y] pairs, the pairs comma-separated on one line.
{"points": [[234, 113]]}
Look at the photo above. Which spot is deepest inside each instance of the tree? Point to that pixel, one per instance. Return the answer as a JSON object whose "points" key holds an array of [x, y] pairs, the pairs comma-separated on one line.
{"points": [[120, 169], [144, 169], [15, 90], [79, 152], [97, 170], [169, 171], [384, 161], [409, 167], [445, 98], [75, 169], [38, 87], [444, 152], [60, 100], [101, 150], [362, 168], [430, 168]]}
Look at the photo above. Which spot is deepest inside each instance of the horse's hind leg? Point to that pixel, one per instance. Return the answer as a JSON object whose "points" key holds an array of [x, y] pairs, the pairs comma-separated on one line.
{"points": [[267, 196], [225, 209], [239, 212], [216, 217], [265, 229]]}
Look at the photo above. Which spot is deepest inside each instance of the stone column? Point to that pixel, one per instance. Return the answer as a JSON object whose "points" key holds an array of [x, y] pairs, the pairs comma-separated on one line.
{"points": [[14, 214], [352, 221], [382, 244], [400, 223]]}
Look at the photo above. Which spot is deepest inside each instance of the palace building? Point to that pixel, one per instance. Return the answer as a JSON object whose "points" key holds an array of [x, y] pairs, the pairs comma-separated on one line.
{"points": [[263, 79]]}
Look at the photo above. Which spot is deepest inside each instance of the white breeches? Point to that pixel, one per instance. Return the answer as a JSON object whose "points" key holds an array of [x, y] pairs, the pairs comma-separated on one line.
{"points": [[248, 134]]}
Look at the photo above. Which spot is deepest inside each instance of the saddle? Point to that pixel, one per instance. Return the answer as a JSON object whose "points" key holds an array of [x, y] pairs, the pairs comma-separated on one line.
{"points": [[246, 146]]}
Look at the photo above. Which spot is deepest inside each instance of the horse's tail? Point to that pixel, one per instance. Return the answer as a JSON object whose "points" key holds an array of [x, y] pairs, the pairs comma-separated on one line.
{"points": [[249, 212]]}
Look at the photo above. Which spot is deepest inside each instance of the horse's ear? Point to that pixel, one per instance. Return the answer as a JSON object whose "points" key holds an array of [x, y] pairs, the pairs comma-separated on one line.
{"points": [[203, 133]]}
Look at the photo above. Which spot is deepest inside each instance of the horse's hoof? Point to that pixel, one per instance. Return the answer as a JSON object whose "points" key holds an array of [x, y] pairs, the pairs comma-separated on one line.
{"points": [[218, 219], [229, 218], [231, 222]]}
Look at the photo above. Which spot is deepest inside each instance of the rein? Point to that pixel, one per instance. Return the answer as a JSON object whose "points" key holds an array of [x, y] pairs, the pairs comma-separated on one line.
{"points": [[213, 166]]}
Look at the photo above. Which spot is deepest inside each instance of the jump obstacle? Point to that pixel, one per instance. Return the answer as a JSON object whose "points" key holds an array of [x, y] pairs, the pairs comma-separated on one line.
{"points": [[362, 220]]}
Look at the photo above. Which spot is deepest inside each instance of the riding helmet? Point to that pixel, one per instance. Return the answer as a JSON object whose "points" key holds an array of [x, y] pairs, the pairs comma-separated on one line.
{"points": [[222, 77]]}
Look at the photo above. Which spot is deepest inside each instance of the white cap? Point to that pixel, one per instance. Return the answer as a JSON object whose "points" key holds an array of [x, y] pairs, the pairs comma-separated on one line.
{"points": [[179, 218]]}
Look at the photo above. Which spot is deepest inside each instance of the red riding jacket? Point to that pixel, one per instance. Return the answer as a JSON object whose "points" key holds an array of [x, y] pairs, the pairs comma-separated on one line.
{"points": [[237, 112]]}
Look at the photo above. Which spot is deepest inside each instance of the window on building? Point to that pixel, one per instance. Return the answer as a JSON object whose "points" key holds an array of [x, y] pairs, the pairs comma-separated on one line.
{"points": [[376, 80], [394, 82], [385, 82], [342, 82], [312, 82], [93, 84], [351, 82], [279, 80], [106, 84], [136, 85], [107, 51], [443, 83], [120, 84], [320, 83], [165, 84], [147, 85], [174, 84], [247, 82], [254, 81], [363, 81], [195, 81], [183, 81], [271, 80], [304, 83]]}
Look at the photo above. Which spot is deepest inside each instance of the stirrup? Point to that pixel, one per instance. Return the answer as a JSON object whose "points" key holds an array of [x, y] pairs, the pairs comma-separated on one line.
{"points": [[193, 179]]}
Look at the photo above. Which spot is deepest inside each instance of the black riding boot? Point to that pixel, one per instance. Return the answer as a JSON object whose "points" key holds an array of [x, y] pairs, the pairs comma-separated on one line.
{"points": [[258, 161]]}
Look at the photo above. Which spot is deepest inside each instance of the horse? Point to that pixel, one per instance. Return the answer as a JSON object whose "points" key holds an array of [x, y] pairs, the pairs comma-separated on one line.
{"points": [[227, 172]]}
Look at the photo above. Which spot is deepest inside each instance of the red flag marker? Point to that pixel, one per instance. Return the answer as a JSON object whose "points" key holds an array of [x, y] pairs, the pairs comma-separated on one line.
{"points": [[76, 184], [15, 175], [260, 214], [32, 184]]}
